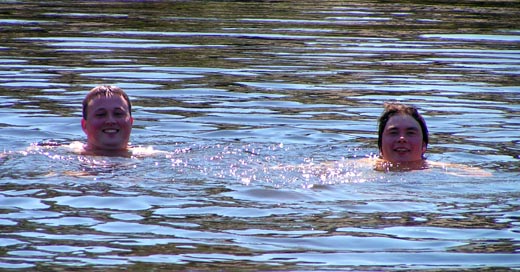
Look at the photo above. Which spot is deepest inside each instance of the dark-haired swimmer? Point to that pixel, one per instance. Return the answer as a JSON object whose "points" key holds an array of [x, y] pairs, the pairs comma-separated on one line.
{"points": [[402, 139]]}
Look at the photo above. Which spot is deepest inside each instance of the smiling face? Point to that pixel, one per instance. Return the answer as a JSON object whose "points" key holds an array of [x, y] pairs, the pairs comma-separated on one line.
{"points": [[402, 140], [108, 124]]}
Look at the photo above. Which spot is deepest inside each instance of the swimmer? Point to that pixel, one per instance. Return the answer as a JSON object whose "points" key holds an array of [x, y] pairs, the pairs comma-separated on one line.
{"points": [[107, 122], [402, 139]]}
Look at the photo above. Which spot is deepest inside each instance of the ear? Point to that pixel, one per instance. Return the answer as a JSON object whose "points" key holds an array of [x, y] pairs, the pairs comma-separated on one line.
{"points": [[424, 147], [84, 125], [131, 120]]}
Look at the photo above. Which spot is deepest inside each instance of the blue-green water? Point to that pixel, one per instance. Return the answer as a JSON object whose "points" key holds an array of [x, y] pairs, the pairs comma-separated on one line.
{"points": [[264, 111]]}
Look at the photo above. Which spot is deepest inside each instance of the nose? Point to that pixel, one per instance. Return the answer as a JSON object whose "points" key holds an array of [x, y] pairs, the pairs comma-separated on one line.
{"points": [[110, 119], [402, 139]]}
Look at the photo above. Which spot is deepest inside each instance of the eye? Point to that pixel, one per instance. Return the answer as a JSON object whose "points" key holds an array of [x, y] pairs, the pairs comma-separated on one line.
{"points": [[119, 114], [392, 132]]}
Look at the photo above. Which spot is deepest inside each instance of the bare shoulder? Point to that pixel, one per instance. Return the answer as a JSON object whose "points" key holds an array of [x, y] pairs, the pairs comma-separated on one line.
{"points": [[461, 170], [453, 169]]}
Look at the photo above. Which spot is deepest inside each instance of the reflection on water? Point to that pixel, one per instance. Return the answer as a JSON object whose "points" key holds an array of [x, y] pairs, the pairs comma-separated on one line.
{"points": [[266, 113]]}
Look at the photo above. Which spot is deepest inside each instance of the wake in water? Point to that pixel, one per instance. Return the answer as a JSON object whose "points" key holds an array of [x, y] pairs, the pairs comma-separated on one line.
{"points": [[279, 166]]}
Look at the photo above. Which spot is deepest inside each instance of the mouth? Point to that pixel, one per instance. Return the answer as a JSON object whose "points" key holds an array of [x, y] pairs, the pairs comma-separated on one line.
{"points": [[110, 130], [401, 150]]}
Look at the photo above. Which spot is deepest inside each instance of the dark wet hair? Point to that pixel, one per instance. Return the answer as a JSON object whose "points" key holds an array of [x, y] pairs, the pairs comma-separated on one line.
{"points": [[392, 109], [105, 91]]}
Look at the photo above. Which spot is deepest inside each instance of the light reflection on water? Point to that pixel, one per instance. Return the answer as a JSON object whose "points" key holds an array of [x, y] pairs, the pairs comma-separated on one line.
{"points": [[265, 118]]}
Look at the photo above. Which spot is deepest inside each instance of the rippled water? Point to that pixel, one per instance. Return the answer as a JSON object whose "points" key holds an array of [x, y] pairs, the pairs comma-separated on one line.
{"points": [[264, 111]]}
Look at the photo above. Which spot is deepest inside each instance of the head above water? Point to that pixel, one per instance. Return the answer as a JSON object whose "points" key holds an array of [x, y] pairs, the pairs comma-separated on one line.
{"points": [[402, 130], [104, 91], [107, 121]]}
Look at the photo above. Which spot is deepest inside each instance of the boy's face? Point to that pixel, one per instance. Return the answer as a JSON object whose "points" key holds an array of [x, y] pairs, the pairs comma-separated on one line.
{"points": [[108, 124], [402, 140]]}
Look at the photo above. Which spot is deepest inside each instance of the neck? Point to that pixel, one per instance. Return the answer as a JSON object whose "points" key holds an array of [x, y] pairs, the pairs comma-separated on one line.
{"points": [[92, 151], [388, 166]]}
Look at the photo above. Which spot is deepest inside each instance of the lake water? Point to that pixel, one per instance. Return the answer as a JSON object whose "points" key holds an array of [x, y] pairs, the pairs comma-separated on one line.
{"points": [[264, 111]]}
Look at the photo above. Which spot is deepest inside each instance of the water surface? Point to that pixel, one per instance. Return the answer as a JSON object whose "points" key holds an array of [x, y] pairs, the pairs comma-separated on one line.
{"points": [[265, 112]]}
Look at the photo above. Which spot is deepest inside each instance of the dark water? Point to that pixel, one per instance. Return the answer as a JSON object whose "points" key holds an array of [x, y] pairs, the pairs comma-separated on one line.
{"points": [[264, 111]]}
